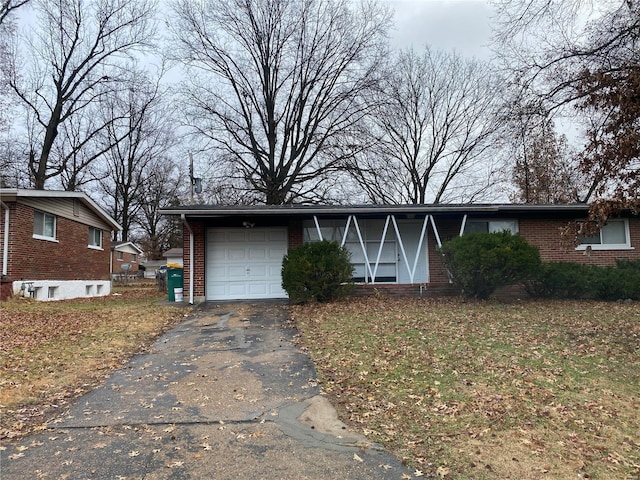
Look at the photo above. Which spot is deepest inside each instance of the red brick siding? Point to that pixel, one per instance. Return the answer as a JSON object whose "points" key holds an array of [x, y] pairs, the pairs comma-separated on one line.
{"points": [[404, 290], [295, 233], [546, 235], [6, 288], [199, 233], [67, 259], [447, 229], [126, 258]]}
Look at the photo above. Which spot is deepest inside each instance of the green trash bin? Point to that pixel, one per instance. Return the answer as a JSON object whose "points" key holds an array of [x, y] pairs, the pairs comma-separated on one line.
{"points": [[175, 284]]}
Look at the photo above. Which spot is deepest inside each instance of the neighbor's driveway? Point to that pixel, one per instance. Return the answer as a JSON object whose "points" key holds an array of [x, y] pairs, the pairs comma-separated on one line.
{"points": [[225, 395]]}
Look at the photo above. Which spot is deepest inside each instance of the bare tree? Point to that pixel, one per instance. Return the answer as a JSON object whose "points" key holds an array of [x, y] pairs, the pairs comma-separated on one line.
{"points": [[8, 6], [162, 187], [583, 58], [75, 57], [141, 133], [432, 131], [7, 33], [544, 170], [279, 82]]}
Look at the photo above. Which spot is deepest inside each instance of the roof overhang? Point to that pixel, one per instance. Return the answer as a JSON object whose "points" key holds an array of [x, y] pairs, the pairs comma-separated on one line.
{"points": [[12, 194], [121, 245], [221, 211]]}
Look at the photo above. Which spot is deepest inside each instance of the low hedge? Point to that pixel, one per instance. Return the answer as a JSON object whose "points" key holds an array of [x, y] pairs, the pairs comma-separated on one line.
{"points": [[573, 280]]}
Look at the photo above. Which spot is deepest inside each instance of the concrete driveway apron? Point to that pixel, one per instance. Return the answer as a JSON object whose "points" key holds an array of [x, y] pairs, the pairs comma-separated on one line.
{"points": [[225, 395]]}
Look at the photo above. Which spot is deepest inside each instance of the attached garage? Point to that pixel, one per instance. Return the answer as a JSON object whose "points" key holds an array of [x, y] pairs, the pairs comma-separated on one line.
{"points": [[245, 263]]}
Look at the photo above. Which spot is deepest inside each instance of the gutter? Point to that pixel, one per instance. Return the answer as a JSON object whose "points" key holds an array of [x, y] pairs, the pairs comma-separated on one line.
{"points": [[428, 209], [5, 250], [186, 224]]}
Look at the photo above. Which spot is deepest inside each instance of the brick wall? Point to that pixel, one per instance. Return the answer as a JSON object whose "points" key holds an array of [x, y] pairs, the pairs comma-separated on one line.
{"points": [[546, 235], [404, 290], [199, 266], [126, 258], [69, 258], [295, 233]]}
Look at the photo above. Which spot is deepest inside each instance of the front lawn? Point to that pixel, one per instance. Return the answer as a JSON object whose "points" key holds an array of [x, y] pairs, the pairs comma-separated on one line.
{"points": [[467, 390], [52, 352]]}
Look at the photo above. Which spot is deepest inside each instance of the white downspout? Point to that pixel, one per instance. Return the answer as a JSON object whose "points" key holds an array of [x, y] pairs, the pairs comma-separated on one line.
{"points": [[184, 221], [5, 250]]}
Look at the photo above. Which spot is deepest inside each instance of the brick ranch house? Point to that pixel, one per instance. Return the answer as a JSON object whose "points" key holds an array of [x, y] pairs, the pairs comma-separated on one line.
{"points": [[235, 252], [55, 245], [125, 258]]}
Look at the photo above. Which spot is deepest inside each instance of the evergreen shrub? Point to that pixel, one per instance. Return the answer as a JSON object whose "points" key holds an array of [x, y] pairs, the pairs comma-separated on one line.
{"points": [[320, 271], [482, 262]]}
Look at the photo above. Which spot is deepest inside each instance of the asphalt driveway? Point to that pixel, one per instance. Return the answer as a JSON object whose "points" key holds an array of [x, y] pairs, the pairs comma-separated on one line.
{"points": [[225, 395]]}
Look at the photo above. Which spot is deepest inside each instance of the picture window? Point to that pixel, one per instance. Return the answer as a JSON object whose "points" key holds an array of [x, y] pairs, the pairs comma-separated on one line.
{"points": [[613, 235]]}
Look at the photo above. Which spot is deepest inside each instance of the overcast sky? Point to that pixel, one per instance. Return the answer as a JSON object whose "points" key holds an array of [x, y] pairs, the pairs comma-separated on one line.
{"points": [[463, 25]]}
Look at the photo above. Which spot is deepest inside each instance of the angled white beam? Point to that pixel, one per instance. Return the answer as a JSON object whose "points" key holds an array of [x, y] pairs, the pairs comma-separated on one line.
{"points": [[464, 224], [346, 231], [422, 235], [380, 247], [402, 250], [435, 232], [363, 247], [315, 220]]}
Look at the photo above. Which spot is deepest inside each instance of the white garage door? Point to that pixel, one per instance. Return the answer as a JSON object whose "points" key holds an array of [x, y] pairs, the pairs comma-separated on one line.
{"points": [[245, 263]]}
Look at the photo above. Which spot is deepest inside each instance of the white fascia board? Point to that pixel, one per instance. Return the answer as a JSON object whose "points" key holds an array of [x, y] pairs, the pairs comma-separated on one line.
{"points": [[21, 192]]}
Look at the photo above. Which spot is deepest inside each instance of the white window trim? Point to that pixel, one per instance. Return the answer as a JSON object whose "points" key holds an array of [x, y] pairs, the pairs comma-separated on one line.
{"points": [[48, 239], [96, 247], [55, 229], [610, 246], [467, 221]]}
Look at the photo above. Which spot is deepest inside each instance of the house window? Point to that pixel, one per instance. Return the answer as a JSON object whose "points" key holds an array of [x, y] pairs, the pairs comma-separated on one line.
{"points": [[134, 257], [119, 255], [95, 237], [44, 225], [614, 235], [51, 292], [491, 226]]}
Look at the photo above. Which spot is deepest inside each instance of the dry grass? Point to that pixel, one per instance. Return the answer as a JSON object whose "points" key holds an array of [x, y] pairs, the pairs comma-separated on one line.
{"points": [[486, 391], [51, 352]]}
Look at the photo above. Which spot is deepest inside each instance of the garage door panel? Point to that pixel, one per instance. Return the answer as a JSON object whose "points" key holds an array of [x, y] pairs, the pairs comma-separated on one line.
{"points": [[257, 236], [277, 253], [275, 270], [277, 235], [258, 272], [258, 253], [245, 263], [235, 236]]}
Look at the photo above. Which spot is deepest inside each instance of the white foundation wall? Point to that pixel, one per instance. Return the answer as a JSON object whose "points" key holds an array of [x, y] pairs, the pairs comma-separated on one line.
{"points": [[47, 290]]}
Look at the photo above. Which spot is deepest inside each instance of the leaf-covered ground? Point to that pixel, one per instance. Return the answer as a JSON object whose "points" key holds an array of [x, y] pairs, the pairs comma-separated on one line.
{"points": [[486, 391], [52, 352]]}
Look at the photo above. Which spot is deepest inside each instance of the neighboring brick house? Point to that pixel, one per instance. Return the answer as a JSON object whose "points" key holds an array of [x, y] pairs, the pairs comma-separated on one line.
{"points": [[55, 245], [238, 250], [125, 254]]}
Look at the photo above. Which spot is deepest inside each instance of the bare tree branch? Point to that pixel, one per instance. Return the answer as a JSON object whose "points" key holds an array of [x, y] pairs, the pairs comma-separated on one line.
{"points": [[291, 78]]}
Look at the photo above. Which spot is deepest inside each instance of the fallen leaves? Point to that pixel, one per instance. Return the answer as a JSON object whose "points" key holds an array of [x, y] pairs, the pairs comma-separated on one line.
{"points": [[432, 378], [53, 352]]}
